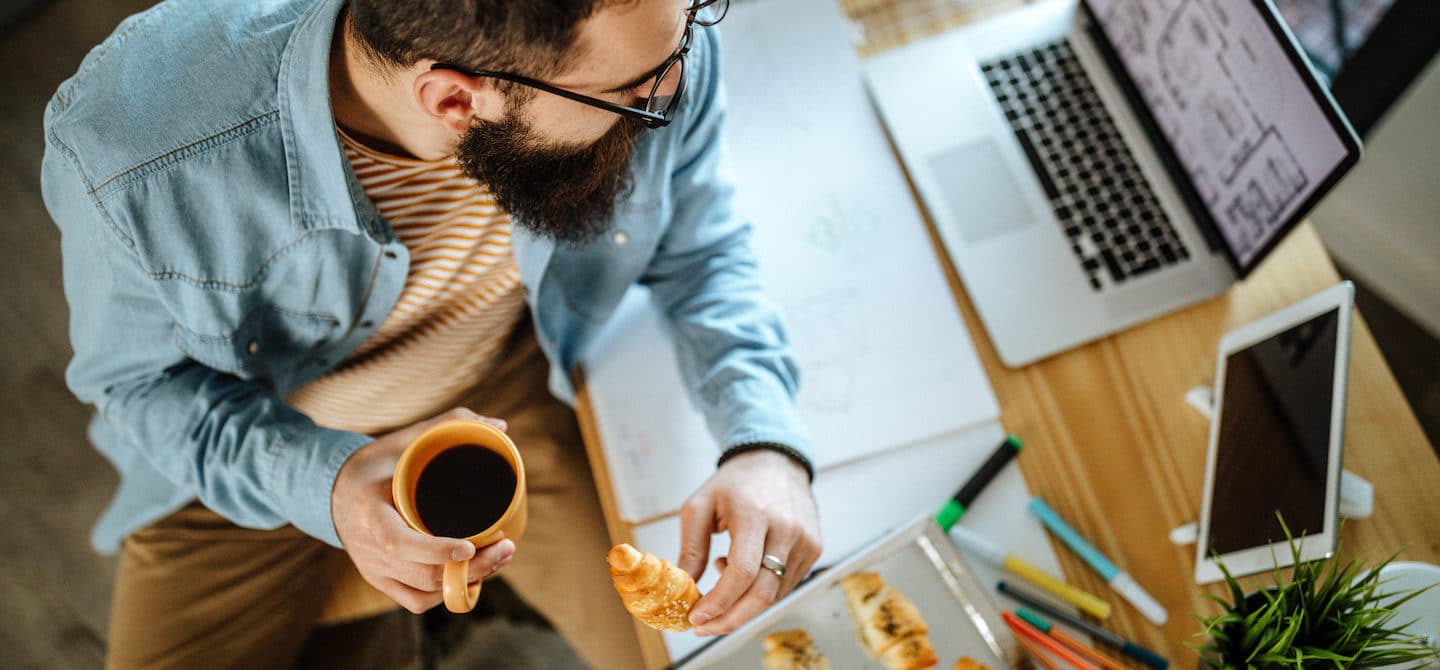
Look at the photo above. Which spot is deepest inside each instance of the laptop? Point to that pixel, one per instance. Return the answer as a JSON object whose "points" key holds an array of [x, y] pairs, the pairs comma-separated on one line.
{"points": [[1091, 166]]}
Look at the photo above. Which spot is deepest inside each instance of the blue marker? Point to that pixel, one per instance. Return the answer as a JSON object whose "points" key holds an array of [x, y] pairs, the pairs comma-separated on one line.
{"points": [[1118, 580]]}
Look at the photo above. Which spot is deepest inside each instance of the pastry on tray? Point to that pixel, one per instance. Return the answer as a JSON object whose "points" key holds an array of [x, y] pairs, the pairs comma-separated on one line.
{"points": [[887, 624], [793, 650]]}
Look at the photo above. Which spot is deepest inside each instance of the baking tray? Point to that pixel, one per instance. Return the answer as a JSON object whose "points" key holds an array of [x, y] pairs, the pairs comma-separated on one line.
{"points": [[919, 560]]}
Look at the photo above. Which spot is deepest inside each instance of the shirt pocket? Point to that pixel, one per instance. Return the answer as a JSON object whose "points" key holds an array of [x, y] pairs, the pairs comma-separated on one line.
{"points": [[269, 341], [594, 278]]}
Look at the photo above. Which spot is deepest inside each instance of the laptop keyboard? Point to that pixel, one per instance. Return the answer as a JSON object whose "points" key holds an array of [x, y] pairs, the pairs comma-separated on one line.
{"points": [[1103, 202]]}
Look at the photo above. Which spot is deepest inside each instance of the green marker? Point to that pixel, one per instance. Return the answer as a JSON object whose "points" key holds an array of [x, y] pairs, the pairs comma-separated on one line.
{"points": [[956, 507], [1033, 619]]}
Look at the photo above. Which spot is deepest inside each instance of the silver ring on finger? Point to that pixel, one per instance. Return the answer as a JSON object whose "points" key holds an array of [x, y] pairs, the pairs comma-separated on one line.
{"points": [[773, 564]]}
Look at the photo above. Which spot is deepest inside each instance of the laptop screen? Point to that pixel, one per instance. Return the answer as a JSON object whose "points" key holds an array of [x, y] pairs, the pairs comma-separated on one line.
{"points": [[1243, 116]]}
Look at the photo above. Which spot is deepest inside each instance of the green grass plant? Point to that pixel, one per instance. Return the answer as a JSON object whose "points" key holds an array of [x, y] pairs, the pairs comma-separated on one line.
{"points": [[1328, 614]]}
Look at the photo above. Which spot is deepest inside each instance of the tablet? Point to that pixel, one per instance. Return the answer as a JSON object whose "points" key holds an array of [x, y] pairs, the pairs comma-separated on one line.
{"points": [[1276, 438]]}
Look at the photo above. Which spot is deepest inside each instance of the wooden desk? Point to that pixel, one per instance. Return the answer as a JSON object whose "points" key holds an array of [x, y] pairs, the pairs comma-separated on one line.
{"points": [[1111, 443]]}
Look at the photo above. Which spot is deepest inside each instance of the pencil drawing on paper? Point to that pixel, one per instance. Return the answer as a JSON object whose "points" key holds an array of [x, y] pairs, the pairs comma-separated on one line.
{"points": [[843, 227], [830, 346], [636, 450]]}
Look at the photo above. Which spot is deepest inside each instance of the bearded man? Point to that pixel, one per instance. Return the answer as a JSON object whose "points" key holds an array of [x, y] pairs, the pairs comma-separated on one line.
{"points": [[296, 233]]}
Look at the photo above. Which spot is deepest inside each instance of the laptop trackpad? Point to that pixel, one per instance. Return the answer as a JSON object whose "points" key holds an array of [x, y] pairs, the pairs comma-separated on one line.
{"points": [[980, 191]]}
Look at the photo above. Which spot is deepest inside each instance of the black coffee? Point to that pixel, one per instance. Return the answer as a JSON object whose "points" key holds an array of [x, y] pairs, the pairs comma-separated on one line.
{"points": [[464, 490]]}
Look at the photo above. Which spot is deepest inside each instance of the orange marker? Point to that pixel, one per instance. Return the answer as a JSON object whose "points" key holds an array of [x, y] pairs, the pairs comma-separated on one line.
{"points": [[1068, 640], [1019, 626], [1038, 653]]}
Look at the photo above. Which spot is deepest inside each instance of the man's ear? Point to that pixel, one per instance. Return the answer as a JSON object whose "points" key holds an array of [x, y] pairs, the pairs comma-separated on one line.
{"points": [[457, 100]]}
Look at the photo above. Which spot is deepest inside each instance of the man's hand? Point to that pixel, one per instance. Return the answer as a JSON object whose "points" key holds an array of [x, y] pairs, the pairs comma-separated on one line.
{"points": [[763, 499], [402, 563]]}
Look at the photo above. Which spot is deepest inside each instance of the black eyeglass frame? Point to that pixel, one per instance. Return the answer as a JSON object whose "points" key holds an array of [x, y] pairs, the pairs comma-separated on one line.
{"points": [[647, 116]]}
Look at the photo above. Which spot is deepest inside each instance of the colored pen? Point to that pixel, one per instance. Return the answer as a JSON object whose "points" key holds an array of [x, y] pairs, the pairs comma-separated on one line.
{"points": [[1122, 582], [955, 508], [1049, 643], [1129, 648], [1038, 653], [976, 545], [1066, 639]]}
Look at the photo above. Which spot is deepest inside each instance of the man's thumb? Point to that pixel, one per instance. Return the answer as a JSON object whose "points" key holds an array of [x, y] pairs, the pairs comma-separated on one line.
{"points": [[697, 518]]}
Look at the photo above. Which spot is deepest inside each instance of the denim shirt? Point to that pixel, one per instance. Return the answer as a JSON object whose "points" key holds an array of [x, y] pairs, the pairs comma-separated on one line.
{"points": [[219, 253]]}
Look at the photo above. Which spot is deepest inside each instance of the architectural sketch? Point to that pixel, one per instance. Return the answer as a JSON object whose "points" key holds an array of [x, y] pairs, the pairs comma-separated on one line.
{"points": [[1272, 178], [1203, 68], [1193, 48], [1130, 21]]}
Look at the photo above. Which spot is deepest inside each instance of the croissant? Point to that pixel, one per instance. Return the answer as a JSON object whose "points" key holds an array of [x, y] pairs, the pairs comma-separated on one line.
{"points": [[967, 663], [887, 624], [659, 594], [793, 650]]}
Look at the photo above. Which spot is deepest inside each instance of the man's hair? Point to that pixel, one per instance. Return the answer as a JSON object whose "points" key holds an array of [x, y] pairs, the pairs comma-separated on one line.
{"points": [[532, 37]]}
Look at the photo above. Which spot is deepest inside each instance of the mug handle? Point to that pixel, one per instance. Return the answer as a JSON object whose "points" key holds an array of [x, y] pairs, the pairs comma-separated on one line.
{"points": [[460, 597]]}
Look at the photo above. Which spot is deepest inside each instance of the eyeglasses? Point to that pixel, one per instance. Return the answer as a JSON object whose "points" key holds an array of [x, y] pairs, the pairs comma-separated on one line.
{"points": [[654, 110]]}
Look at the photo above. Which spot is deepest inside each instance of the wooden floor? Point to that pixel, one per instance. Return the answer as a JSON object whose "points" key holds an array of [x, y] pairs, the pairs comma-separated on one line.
{"points": [[54, 590]]}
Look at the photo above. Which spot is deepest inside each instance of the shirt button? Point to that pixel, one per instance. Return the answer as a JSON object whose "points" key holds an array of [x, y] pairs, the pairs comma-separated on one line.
{"points": [[390, 255], [621, 238], [252, 346], [367, 323]]}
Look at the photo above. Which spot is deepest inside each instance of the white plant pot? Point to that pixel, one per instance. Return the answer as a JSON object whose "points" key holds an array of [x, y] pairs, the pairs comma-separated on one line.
{"points": [[1423, 609]]}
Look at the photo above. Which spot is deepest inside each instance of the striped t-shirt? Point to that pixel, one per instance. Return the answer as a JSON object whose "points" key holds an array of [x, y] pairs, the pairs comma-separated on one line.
{"points": [[461, 300]]}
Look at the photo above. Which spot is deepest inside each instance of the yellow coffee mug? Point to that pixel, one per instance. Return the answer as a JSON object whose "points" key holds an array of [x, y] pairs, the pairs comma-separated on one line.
{"points": [[420, 453]]}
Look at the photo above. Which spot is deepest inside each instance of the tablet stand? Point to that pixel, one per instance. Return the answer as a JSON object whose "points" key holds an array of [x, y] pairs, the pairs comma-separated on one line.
{"points": [[1357, 496]]}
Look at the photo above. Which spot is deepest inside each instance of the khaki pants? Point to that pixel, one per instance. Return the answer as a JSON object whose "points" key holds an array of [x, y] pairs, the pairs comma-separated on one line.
{"points": [[195, 590]]}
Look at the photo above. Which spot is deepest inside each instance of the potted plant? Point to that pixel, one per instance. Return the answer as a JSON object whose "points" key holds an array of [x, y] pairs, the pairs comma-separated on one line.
{"points": [[1327, 615]]}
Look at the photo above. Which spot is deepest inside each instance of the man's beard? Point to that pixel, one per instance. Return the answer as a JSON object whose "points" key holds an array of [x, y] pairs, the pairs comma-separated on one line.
{"points": [[560, 192]]}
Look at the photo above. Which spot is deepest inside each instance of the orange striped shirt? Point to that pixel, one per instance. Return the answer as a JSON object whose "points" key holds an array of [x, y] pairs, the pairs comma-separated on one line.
{"points": [[461, 300]]}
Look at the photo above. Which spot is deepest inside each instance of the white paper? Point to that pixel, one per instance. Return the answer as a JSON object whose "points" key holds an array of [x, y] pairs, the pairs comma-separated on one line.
{"points": [[885, 358]]}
